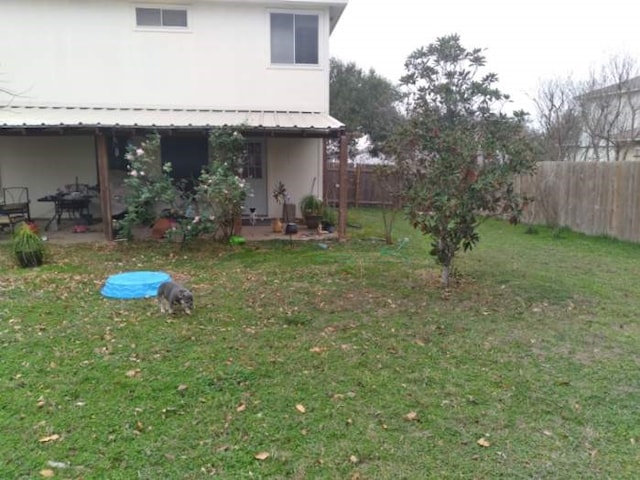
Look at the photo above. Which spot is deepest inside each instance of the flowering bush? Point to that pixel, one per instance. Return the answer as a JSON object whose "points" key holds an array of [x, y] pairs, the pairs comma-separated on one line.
{"points": [[186, 229], [147, 185], [213, 207], [220, 190]]}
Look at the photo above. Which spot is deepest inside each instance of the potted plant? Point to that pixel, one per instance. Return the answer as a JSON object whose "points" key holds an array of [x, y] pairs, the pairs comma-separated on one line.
{"points": [[311, 207], [28, 247], [328, 219], [281, 197]]}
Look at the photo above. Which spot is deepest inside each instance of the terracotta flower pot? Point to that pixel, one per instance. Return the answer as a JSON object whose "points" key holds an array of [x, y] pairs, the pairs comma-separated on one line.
{"points": [[237, 225], [161, 227]]}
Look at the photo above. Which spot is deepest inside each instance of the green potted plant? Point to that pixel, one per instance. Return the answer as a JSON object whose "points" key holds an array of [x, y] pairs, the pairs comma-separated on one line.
{"points": [[28, 247], [311, 207], [329, 219]]}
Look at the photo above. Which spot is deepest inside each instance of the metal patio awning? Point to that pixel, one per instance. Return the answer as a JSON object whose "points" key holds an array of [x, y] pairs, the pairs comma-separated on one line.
{"points": [[21, 117]]}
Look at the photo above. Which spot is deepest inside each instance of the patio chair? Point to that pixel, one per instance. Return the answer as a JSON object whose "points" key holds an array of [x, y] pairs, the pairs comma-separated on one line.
{"points": [[14, 206]]}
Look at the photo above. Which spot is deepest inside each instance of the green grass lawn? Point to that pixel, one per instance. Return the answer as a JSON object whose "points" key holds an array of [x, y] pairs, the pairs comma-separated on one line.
{"points": [[341, 363]]}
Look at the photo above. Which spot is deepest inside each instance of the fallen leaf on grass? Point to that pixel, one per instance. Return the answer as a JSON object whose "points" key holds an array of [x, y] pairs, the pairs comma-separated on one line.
{"points": [[182, 387], [411, 417], [353, 459], [47, 473], [318, 349], [50, 438], [300, 408], [483, 442], [261, 456], [341, 396], [241, 408], [133, 373]]}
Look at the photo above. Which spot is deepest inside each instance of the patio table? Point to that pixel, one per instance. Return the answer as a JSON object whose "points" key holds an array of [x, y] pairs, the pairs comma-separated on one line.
{"points": [[74, 204]]}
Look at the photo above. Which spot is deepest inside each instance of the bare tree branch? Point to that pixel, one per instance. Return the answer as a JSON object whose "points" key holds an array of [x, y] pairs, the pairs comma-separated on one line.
{"points": [[558, 120], [6, 95]]}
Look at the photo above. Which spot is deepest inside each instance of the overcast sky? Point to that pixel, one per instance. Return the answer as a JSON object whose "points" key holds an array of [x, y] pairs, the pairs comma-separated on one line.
{"points": [[524, 41]]}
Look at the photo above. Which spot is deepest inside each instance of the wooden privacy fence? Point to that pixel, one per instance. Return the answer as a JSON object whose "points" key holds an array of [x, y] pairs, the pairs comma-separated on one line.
{"points": [[363, 186], [596, 198]]}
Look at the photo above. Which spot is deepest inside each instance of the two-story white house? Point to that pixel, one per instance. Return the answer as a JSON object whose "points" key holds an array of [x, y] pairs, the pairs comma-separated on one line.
{"points": [[88, 76], [609, 120]]}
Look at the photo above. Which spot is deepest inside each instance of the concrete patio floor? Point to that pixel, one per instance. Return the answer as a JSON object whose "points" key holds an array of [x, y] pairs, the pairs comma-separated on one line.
{"points": [[95, 234]]}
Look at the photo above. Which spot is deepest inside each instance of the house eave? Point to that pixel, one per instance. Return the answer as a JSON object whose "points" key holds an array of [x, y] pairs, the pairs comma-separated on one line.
{"points": [[69, 119]]}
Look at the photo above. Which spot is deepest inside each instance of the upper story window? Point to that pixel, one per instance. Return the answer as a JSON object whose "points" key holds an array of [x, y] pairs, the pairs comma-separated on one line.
{"points": [[161, 17], [294, 38]]}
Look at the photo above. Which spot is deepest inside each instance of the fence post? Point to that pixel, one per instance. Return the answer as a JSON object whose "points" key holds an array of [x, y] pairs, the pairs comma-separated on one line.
{"points": [[358, 172]]}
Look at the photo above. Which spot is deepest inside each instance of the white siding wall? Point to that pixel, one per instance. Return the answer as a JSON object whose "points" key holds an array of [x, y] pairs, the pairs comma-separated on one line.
{"points": [[80, 52], [295, 162], [45, 163]]}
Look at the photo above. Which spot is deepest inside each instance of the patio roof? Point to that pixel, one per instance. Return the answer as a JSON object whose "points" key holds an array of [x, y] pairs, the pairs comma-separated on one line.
{"points": [[26, 117]]}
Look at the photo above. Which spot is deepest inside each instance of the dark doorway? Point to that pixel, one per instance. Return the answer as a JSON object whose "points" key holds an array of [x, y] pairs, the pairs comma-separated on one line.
{"points": [[116, 151], [187, 155]]}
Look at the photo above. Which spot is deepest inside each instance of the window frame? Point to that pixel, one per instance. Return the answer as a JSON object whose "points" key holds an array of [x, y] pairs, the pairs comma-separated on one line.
{"points": [[162, 28], [320, 51], [248, 163]]}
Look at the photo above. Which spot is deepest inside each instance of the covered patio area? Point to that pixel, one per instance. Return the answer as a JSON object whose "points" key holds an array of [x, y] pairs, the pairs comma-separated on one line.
{"points": [[40, 146]]}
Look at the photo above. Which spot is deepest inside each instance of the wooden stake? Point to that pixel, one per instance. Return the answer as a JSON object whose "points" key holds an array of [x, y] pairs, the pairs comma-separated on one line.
{"points": [[105, 190]]}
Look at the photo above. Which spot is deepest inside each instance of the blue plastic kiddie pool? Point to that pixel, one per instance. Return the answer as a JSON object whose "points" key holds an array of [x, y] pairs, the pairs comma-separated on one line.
{"points": [[130, 285]]}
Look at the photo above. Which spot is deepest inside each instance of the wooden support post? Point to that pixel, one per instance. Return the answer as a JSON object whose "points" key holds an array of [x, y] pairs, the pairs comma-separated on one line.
{"points": [[324, 171], [343, 199], [105, 190]]}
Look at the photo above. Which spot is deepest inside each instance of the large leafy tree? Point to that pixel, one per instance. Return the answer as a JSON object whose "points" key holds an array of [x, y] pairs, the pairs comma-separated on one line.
{"points": [[365, 102], [458, 151]]}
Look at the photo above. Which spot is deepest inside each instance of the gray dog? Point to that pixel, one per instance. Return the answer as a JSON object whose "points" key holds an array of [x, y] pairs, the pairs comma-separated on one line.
{"points": [[171, 294]]}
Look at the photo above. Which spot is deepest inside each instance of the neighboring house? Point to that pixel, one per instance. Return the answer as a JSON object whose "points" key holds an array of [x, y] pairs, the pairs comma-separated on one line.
{"points": [[609, 120], [91, 76]]}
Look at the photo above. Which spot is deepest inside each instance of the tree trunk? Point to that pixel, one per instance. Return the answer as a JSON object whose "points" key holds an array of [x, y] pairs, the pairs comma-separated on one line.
{"points": [[444, 279], [446, 259]]}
